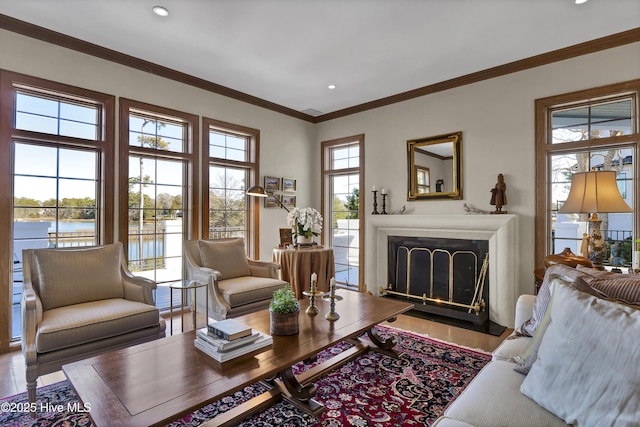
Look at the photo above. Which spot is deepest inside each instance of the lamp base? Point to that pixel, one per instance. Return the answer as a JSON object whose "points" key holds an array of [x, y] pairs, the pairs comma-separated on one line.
{"points": [[597, 249]]}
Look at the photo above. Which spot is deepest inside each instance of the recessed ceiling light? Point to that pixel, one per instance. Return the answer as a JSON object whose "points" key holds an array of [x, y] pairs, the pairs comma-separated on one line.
{"points": [[160, 11], [331, 86], [580, 1]]}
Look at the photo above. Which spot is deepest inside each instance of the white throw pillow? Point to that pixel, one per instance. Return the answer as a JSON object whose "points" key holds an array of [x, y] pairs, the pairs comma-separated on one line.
{"points": [[530, 355], [586, 371]]}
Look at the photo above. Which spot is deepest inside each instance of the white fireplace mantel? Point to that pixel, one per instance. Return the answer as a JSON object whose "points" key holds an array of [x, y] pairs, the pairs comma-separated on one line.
{"points": [[499, 230]]}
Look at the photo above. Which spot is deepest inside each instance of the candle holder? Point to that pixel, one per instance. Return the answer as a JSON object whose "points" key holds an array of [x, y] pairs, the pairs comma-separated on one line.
{"points": [[384, 203], [312, 310], [332, 315], [375, 202]]}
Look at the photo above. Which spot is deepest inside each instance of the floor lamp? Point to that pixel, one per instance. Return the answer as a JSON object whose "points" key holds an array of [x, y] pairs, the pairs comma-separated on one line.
{"points": [[592, 193], [258, 191]]}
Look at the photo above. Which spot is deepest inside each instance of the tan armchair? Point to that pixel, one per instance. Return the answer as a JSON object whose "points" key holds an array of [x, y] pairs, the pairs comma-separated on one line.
{"points": [[237, 284], [79, 302]]}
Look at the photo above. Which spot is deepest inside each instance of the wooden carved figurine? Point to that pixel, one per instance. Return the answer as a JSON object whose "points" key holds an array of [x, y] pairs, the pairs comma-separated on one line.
{"points": [[499, 195]]}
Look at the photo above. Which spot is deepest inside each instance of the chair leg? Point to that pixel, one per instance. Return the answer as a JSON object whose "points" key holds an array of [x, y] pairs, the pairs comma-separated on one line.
{"points": [[32, 379]]}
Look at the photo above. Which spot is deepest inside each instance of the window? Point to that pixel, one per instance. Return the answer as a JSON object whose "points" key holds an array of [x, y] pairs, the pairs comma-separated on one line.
{"points": [[342, 179], [423, 179], [595, 129], [230, 170], [58, 140], [157, 192]]}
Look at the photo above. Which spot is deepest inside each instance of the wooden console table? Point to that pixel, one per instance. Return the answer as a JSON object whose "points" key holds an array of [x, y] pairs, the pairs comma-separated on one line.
{"points": [[296, 266]]}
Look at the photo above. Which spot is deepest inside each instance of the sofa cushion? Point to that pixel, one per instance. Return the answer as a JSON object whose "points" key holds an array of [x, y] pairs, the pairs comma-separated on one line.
{"points": [[586, 369], [449, 422], [92, 321], [530, 355], [511, 348], [67, 277], [492, 399], [541, 302], [621, 287], [245, 290], [228, 257], [525, 360]]}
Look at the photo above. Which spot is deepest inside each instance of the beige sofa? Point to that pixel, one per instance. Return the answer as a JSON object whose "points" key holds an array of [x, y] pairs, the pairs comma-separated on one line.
{"points": [[580, 363], [79, 302]]}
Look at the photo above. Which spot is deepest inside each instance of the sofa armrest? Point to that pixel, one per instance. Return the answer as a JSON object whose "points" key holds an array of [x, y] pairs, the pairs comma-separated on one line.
{"points": [[31, 316], [209, 272], [524, 309], [137, 288], [264, 268], [219, 308]]}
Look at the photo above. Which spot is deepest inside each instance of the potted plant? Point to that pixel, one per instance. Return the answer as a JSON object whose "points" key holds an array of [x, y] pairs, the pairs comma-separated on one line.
{"points": [[306, 223], [283, 312]]}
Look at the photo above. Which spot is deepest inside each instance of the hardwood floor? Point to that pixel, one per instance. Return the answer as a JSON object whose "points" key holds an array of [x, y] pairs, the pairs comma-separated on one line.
{"points": [[12, 371]]}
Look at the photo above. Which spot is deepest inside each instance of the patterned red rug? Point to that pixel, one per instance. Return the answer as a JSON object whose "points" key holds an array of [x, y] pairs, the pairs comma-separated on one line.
{"points": [[373, 389]]}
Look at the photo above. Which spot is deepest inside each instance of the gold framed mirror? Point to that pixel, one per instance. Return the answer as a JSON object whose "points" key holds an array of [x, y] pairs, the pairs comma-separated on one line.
{"points": [[434, 167]]}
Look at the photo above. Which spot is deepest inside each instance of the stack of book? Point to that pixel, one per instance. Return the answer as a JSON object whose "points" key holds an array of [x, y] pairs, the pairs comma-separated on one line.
{"points": [[229, 338]]}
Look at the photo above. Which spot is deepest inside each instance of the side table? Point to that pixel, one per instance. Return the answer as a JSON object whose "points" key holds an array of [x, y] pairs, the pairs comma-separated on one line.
{"points": [[184, 286], [296, 266]]}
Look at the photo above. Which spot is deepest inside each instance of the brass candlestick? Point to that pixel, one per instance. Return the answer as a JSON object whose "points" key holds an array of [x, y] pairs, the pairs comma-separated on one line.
{"points": [[312, 310], [331, 296]]}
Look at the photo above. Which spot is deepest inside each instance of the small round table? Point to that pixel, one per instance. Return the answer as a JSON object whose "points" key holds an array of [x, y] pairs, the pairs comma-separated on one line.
{"points": [[184, 286], [296, 266]]}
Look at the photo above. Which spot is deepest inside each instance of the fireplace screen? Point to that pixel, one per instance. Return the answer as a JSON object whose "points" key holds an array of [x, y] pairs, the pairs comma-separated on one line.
{"points": [[448, 275]]}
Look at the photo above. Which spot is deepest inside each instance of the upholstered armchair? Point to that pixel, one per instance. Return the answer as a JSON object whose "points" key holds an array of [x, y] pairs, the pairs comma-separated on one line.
{"points": [[237, 285], [79, 302]]}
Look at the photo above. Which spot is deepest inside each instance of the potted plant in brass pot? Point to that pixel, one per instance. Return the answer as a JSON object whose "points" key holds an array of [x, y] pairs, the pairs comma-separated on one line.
{"points": [[283, 312]]}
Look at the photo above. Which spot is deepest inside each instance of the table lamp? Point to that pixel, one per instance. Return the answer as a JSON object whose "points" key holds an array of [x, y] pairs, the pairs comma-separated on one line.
{"points": [[258, 191], [593, 192]]}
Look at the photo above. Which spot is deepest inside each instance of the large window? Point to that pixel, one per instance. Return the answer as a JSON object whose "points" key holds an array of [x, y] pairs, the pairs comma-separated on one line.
{"points": [[56, 144], [591, 130], [231, 169], [343, 175], [158, 149]]}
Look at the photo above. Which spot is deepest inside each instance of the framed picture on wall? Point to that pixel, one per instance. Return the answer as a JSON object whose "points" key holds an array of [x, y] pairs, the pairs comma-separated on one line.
{"points": [[270, 202], [289, 201], [288, 184], [271, 183]]}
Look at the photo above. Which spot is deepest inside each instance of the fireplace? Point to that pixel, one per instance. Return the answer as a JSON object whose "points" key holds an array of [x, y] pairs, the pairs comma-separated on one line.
{"points": [[498, 231], [446, 277]]}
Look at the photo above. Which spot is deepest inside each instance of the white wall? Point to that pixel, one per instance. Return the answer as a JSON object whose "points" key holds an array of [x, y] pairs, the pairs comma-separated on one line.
{"points": [[496, 118], [287, 146]]}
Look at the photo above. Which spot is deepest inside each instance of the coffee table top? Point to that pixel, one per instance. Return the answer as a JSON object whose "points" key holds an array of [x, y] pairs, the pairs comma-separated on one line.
{"points": [[160, 381]]}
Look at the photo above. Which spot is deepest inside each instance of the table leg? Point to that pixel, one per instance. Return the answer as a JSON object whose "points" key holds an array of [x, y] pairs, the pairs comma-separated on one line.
{"points": [[171, 308], [195, 307], [182, 310], [378, 341], [300, 395]]}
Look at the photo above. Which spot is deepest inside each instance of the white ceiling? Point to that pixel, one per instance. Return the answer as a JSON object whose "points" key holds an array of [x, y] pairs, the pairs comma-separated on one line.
{"points": [[288, 51]]}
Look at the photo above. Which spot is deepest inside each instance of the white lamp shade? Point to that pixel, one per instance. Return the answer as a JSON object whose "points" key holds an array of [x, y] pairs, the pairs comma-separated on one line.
{"points": [[594, 192]]}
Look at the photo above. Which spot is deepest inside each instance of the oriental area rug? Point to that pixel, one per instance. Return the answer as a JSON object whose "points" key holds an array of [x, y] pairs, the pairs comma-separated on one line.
{"points": [[371, 390]]}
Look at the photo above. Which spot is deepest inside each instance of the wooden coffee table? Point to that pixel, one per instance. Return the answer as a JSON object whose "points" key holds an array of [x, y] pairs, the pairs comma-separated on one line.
{"points": [[157, 382]]}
